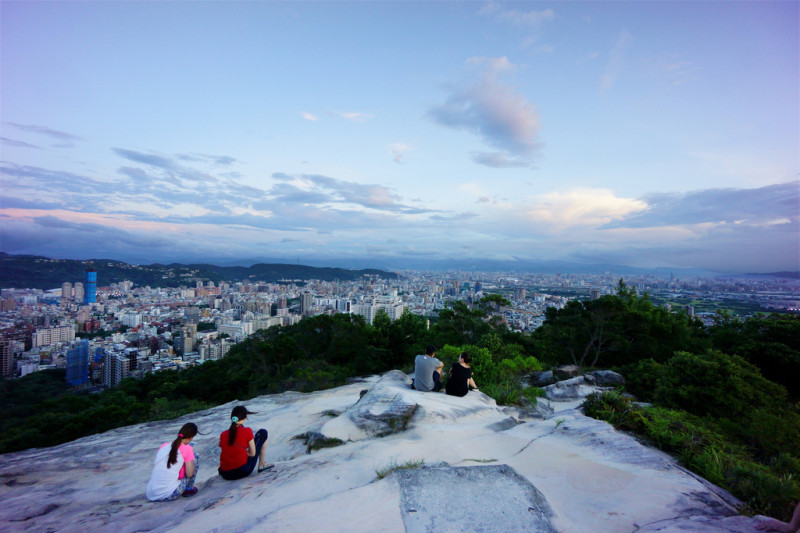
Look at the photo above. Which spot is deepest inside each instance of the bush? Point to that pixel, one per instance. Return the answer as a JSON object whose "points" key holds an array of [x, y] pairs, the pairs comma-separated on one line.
{"points": [[715, 384]]}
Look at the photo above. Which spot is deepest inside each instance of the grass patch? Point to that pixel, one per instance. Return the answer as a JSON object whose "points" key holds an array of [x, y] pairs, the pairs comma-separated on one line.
{"points": [[394, 465], [317, 441], [482, 460]]}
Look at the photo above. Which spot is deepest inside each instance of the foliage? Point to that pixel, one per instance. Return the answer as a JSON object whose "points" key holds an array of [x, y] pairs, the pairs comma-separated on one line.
{"points": [[617, 330], [496, 373], [715, 384], [770, 488], [771, 343]]}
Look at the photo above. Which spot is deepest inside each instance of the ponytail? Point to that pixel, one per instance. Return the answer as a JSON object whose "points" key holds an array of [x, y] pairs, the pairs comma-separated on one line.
{"points": [[187, 431], [238, 414], [232, 433], [173, 452]]}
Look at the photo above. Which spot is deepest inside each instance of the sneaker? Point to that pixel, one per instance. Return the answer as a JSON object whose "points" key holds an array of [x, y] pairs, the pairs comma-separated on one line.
{"points": [[190, 492]]}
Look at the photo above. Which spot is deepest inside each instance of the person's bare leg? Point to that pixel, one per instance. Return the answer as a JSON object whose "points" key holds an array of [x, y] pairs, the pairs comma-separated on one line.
{"points": [[262, 463], [772, 524]]}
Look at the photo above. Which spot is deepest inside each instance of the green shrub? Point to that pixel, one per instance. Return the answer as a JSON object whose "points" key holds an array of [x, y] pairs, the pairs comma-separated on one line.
{"points": [[715, 384], [505, 393]]}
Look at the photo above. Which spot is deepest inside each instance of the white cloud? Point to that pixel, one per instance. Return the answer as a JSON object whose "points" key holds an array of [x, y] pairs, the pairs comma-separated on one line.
{"points": [[580, 207], [309, 116], [485, 104]]}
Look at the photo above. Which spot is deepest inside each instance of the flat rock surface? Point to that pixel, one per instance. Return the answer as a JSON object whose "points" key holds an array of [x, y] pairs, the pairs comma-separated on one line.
{"points": [[483, 465], [433, 499]]}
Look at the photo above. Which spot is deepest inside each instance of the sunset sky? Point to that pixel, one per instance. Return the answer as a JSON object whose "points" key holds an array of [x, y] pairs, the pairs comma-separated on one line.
{"points": [[651, 134]]}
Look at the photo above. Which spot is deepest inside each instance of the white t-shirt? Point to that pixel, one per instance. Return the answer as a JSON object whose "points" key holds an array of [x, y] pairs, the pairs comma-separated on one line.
{"points": [[163, 480]]}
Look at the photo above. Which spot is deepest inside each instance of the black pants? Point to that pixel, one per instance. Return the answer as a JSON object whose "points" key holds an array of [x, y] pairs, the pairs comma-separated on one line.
{"points": [[246, 469]]}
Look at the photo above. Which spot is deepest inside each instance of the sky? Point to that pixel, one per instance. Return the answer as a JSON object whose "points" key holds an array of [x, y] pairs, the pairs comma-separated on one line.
{"points": [[649, 134]]}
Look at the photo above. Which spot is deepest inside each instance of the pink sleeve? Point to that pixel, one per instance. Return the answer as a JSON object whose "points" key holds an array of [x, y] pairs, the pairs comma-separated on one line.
{"points": [[187, 452]]}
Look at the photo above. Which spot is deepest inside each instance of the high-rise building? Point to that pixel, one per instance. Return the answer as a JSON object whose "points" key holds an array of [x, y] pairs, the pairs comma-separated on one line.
{"points": [[78, 364], [306, 301], [6, 359], [115, 368], [77, 292], [66, 290], [90, 296]]}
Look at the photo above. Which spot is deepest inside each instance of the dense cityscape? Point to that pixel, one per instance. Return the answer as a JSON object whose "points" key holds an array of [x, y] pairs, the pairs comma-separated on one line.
{"points": [[102, 335]]}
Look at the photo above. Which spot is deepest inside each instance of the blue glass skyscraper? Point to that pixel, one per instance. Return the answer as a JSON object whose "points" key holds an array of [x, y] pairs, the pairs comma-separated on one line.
{"points": [[78, 364], [90, 294]]}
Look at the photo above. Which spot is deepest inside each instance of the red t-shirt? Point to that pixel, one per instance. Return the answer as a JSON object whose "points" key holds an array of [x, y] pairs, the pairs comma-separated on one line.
{"points": [[233, 456]]}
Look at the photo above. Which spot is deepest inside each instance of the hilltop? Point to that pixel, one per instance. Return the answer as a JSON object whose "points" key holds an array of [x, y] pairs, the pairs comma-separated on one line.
{"points": [[406, 461], [37, 272]]}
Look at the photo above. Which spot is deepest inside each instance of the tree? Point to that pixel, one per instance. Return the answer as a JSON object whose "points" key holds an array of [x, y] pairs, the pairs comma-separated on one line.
{"points": [[494, 302]]}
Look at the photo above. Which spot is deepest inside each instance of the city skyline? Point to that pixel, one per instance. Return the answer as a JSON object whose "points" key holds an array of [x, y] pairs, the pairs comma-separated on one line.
{"points": [[648, 134]]}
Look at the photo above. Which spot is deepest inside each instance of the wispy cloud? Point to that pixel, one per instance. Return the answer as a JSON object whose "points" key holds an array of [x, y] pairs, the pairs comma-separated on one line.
{"points": [[354, 116], [616, 60], [457, 217], [498, 160], [44, 130], [485, 104], [532, 18], [147, 159], [398, 152], [17, 144], [309, 116], [310, 188]]}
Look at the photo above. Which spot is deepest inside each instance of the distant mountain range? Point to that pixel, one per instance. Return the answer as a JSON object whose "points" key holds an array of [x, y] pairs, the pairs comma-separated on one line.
{"points": [[36, 272], [30, 271], [490, 265]]}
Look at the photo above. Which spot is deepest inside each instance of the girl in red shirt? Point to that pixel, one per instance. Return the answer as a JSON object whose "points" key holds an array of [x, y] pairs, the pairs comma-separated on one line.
{"points": [[240, 449]]}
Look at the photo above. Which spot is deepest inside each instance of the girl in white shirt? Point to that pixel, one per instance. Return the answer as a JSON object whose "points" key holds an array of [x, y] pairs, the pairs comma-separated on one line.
{"points": [[174, 468]]}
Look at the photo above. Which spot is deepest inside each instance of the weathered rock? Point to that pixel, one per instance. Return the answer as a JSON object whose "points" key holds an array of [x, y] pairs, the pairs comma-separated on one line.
{"points": [[570, 389], [433, 499], [567, 371], [607, 378], [542, 379], [540, 409], [385, 408]]}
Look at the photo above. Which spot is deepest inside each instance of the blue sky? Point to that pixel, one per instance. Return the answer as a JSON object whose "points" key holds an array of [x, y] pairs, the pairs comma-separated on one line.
{"points": [[639, 133]]}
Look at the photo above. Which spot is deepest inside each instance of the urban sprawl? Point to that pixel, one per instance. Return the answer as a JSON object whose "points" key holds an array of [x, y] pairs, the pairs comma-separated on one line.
{"points": [[102, 335]]}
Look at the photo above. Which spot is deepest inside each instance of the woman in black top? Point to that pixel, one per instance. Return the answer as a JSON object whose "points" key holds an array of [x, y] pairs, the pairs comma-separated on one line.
{"points": [[461, 381]]}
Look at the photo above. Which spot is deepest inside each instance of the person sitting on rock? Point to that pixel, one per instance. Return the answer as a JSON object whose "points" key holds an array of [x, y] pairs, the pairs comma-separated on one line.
{"points": [[772, 524], [174, 468], [427, 371], [240, 449], [461, 381]]}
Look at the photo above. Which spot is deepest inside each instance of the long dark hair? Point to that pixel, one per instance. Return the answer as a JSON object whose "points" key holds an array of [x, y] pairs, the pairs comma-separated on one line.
{"points": [[239, 413], [188, 431]]}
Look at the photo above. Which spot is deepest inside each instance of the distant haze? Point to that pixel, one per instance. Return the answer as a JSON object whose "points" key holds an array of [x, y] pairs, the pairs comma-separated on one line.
{"points": [[403, 134]]}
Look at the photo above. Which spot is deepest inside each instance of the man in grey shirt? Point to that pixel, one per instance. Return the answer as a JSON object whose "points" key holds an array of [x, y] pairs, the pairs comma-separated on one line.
{"points": [[428, 371]]}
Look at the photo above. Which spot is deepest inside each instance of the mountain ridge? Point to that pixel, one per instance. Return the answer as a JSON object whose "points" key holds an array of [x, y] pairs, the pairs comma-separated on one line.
{"points": [[39, 272]]}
